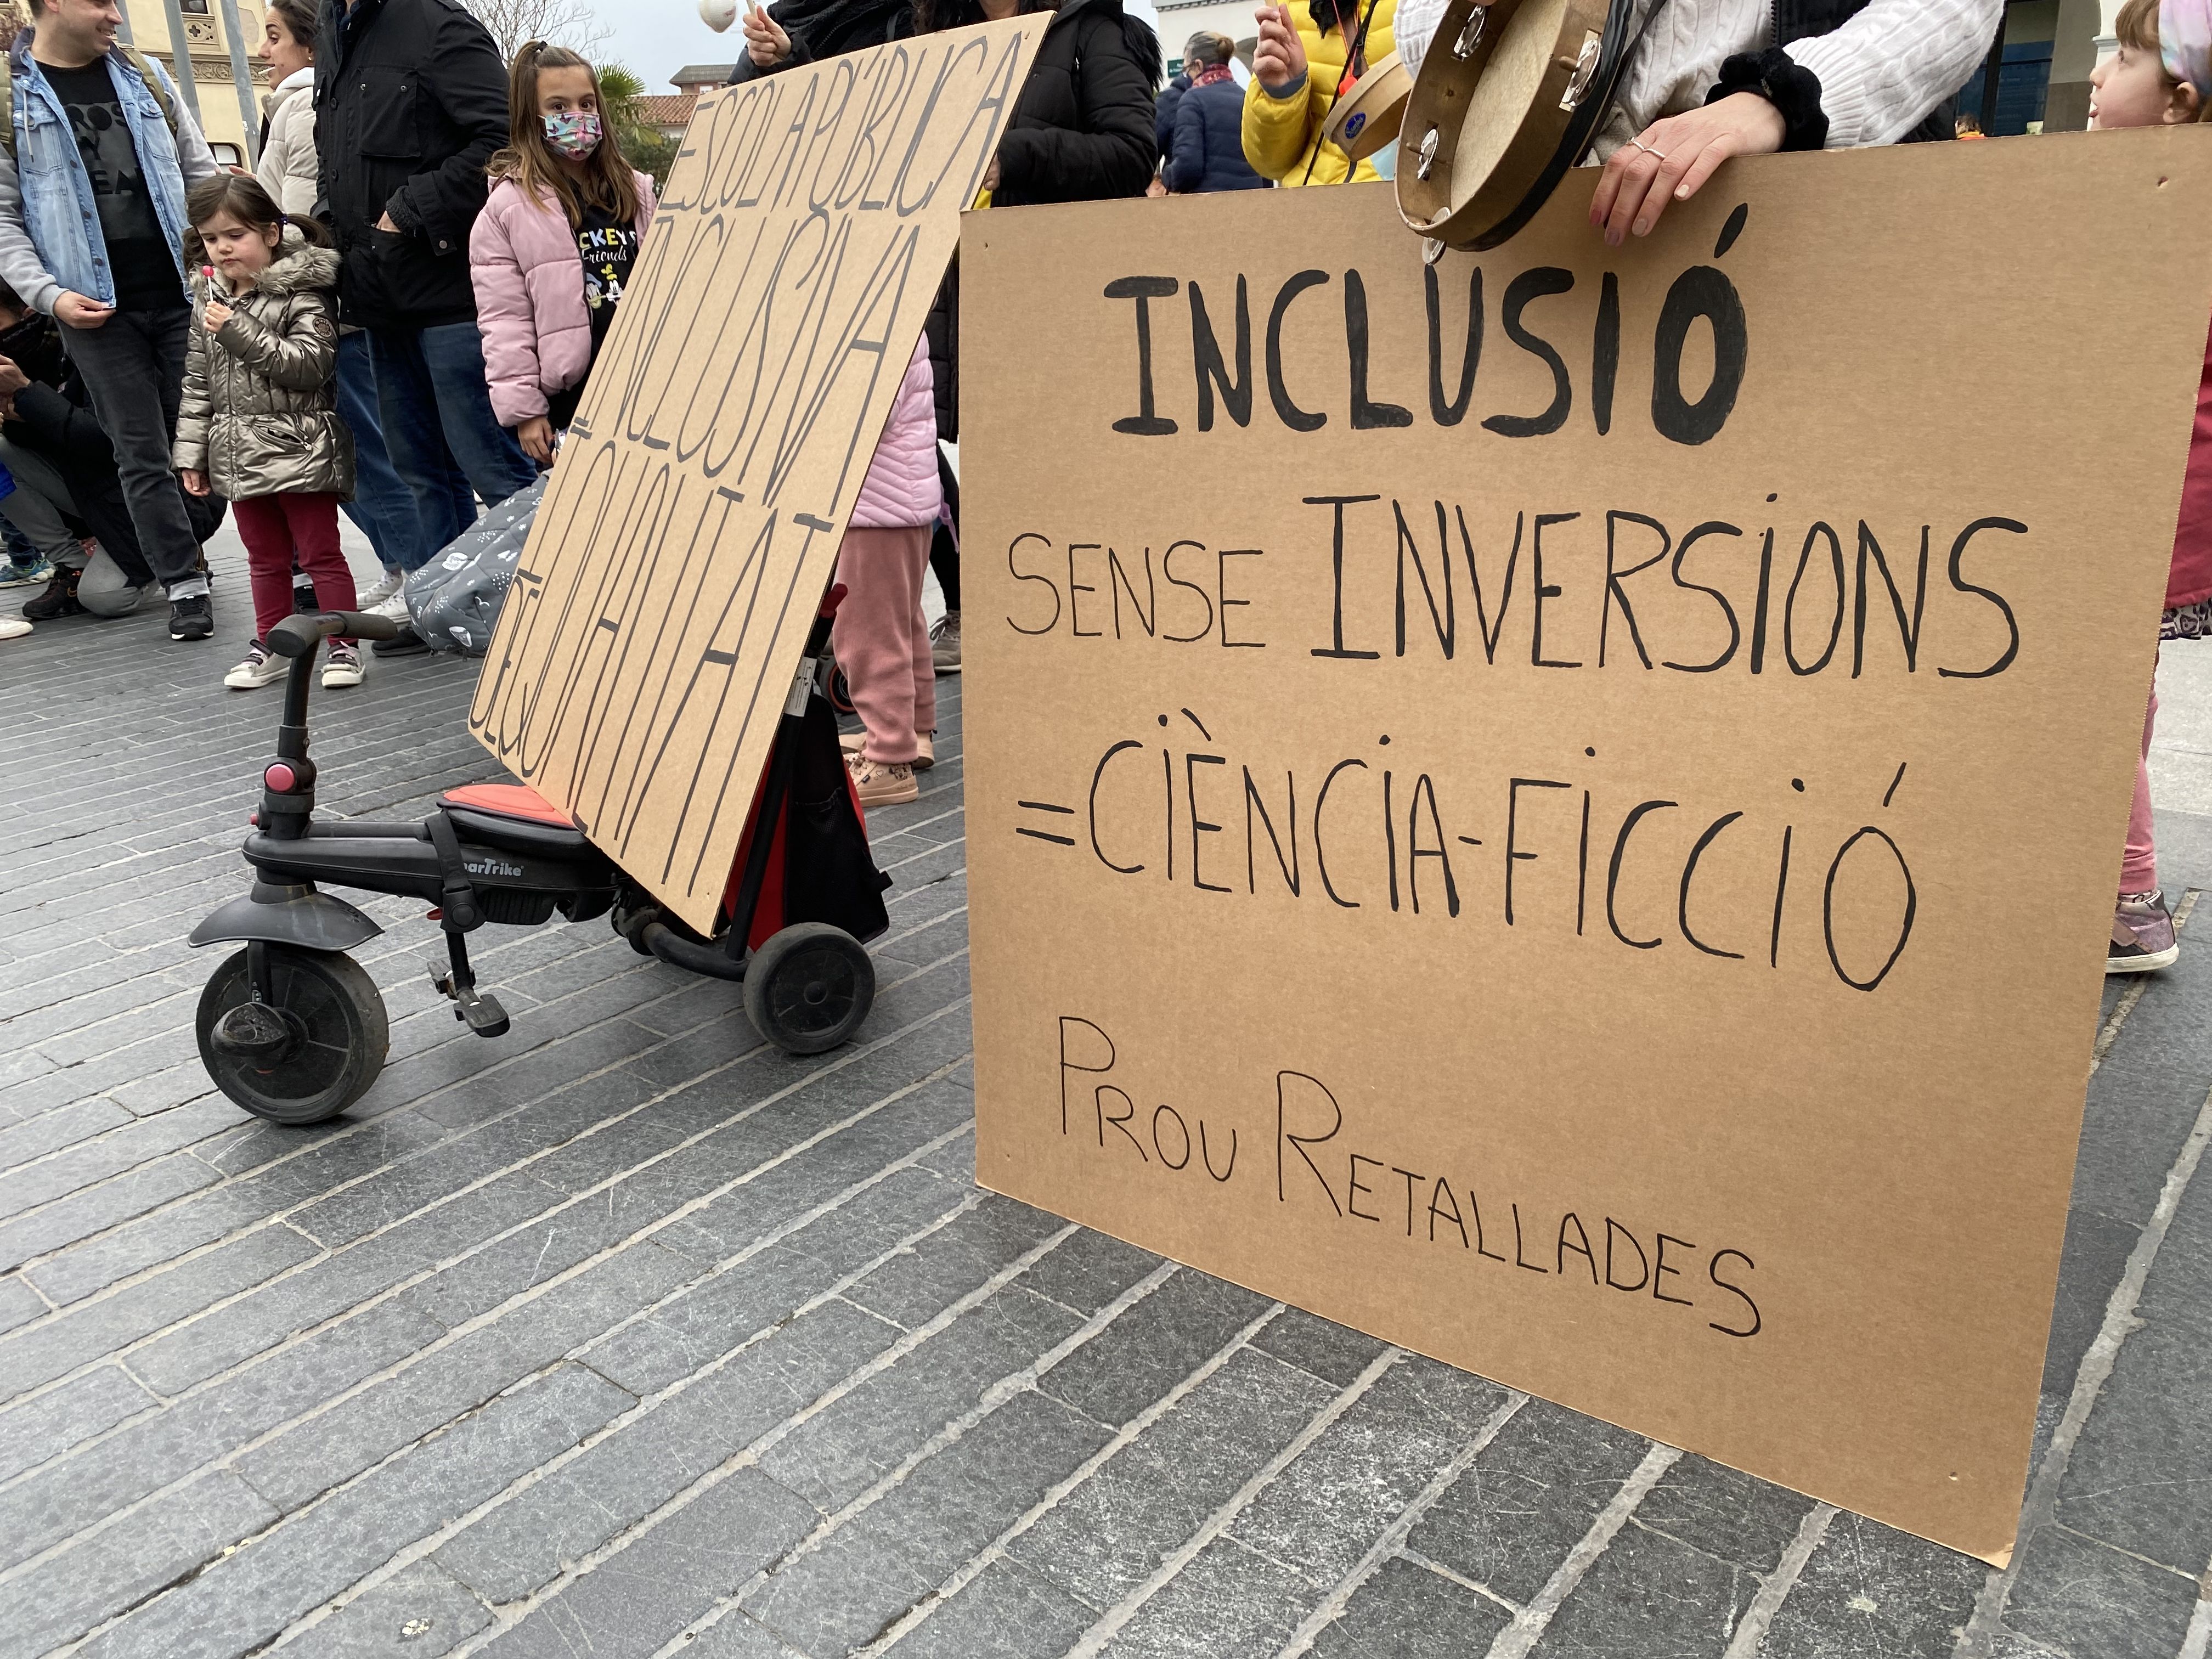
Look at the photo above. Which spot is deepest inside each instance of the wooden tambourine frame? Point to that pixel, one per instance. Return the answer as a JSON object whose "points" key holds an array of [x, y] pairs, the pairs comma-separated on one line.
{"points": [[1369, 116], [1510, 96]]}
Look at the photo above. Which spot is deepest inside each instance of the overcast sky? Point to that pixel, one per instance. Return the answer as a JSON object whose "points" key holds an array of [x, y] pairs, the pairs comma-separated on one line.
{"points": [[656, 38]]}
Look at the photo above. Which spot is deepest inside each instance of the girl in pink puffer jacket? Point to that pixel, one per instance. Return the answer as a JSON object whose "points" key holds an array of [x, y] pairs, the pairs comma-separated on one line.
{"points": [[553, 249], [879, 637]]}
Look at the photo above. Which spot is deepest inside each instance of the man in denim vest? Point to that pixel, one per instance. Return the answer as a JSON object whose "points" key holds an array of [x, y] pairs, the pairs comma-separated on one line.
{"points": [[91, 230]]}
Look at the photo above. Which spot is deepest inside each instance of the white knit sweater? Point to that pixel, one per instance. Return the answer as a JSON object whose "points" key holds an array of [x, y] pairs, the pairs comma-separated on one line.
{"points": [[1881, 73]]}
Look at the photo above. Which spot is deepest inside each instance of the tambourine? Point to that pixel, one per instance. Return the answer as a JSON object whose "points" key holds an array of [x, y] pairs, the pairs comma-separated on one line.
{"points": [[1510, 96], [1368, 117]]}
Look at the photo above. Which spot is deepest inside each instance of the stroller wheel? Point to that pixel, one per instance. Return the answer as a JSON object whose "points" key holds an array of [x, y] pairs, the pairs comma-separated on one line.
{"points": [[306, 1056], [809, 987]]}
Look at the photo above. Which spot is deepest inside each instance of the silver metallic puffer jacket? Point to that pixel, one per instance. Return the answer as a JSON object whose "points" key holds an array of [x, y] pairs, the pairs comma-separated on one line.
{"points": [[260, 413]]}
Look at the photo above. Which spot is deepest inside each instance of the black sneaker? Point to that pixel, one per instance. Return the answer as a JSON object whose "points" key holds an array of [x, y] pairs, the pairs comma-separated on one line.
{"points": [[406, 643], [192, 619], [58, 600], [303, 599]]}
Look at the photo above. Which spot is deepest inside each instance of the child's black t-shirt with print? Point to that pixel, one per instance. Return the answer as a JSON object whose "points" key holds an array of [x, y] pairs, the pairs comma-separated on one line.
{"points": [[608, 247], [138, 254]]}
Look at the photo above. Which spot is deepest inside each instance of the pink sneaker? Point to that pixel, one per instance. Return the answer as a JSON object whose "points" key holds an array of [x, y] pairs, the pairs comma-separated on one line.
{"points": [[2142, 935]]}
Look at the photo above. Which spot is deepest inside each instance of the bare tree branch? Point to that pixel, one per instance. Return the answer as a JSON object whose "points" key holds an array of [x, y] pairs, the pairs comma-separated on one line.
{"points": [[569, 23]]}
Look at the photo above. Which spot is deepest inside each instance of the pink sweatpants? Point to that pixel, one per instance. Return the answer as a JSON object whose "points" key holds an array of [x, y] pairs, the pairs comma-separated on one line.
{"points": [[2139, 869], [881, 641]]}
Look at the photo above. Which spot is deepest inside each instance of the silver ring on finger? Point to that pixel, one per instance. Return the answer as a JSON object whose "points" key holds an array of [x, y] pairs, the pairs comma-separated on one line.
{"points": [[1647, 149]]}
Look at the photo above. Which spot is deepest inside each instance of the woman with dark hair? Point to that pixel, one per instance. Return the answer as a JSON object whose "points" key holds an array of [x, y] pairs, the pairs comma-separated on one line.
{"points": [[1083, 128], [1081, 132], [286, 166]]}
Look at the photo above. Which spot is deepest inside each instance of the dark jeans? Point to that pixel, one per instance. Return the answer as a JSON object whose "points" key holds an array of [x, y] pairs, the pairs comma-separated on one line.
{"points": [[133, 364], [382, 507], [440, 430]]}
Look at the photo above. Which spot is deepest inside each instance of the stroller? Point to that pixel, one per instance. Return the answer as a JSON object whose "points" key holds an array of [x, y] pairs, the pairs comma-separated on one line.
{"points": [[292, 1028]]}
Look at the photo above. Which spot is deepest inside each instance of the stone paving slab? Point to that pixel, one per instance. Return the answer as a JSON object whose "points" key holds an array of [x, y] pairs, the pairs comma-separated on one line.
{"points": [[626, 1336]]}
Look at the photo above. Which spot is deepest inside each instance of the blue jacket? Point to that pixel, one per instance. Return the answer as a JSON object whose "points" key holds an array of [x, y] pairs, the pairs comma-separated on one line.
{"points": [[1208, 150], [1164, 112], [47, 214]]}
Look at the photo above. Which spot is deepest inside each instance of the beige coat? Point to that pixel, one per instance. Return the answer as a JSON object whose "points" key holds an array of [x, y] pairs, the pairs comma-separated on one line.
{"points": [[260, 413]]}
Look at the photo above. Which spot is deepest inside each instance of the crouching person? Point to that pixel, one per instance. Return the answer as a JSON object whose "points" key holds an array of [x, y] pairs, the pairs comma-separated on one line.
{"points": [[67, 489], [260, 422]]}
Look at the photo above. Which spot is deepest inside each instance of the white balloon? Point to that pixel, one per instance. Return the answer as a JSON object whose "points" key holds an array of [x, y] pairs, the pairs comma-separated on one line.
{"points": [[718, 15]]}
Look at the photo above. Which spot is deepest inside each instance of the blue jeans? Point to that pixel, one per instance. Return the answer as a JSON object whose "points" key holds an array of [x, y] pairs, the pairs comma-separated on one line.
{"points": [[440, 431], [382, 507]]}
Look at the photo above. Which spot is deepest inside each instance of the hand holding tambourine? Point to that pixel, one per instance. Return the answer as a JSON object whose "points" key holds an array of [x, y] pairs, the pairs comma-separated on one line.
{"points": [[1513, 93]]}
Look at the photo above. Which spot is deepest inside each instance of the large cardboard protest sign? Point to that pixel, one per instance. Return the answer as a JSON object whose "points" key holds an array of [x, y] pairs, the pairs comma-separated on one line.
{"points": [[1562, 808], [654, 624]]}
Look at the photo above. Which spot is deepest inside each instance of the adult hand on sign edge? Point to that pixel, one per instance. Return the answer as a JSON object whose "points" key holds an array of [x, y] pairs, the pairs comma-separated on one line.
{"points": [[1672, 159], [766, 42], [1280, 56]]}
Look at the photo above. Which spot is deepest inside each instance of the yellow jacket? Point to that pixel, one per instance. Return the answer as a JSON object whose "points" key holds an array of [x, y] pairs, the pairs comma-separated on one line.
{"points": [[1281, 134]]}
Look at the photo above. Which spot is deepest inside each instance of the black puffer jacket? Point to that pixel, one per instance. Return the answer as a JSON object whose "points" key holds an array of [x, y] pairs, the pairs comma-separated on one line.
{"points": [[410, 101], [1081, 132]]}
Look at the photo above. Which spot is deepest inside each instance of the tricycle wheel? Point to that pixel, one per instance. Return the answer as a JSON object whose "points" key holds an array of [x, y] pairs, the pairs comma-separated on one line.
{"points": [[309, 1052], [629, 917], [809, 986]]}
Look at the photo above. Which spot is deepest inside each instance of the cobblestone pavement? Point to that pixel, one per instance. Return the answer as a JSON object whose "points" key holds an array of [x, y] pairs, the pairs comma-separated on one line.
{"points": [[624, 1336]]}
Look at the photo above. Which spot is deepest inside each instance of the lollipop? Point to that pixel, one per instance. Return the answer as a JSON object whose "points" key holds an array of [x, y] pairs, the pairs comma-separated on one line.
{"points": [[718, 15]]}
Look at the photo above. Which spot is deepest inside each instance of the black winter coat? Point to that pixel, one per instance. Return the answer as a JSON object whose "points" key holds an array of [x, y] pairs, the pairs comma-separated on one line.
{"points": [[1208, 151], [1083, 130], [1801, 19], [410, 101]]}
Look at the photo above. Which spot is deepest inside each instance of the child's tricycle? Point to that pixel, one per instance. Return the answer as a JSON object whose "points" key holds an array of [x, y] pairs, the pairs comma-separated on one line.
{"points": [[293, 1029]]}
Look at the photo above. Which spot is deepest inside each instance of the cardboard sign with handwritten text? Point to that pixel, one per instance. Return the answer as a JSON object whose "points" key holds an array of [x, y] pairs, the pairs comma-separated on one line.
{"points": [[1563, 807], [660, 608]]}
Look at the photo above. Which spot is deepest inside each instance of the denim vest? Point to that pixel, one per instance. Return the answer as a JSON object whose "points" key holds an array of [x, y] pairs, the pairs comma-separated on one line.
{"points": [[58, 210]]}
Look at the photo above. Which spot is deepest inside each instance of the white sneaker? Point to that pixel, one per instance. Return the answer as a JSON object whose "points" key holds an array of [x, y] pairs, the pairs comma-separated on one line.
{"points": [[261, 667], [342, 666], [373, 599], [13, 628]]}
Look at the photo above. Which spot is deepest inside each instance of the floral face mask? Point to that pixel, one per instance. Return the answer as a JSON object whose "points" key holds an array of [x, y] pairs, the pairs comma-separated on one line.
{"points": [[575, 134]]}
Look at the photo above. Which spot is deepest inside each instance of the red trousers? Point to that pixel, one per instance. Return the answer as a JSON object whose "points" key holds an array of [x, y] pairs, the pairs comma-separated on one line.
{"points": [[881, 641], [276, 530]]}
